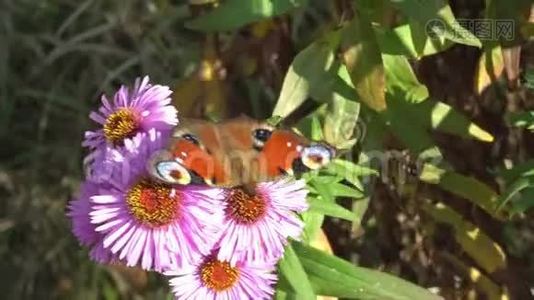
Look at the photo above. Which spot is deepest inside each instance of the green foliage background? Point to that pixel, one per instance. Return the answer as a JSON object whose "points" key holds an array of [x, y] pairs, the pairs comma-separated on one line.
{"points": [[363, 75]]}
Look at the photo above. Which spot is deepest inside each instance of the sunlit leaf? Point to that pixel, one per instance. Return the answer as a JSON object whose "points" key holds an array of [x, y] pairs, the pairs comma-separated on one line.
{"points": [[401, 40], [445, 118], [489, 68], [340, 122], [441, 117], [477, 277], [232, 14], [332, 276], [467, 187], [401, 80], [309, 69], [438, 20], [411, 133], [292, 270], [480, 247]]}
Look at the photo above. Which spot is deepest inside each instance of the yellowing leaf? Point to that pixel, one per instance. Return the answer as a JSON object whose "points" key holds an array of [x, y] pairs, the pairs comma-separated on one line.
{"points": [[232, 14], [481, 281], [489, 69], [361, 55], [480, 247], [466, 187]]}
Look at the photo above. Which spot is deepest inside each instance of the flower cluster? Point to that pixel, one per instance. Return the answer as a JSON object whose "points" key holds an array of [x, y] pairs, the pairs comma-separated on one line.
{"points": [[213, 243]]}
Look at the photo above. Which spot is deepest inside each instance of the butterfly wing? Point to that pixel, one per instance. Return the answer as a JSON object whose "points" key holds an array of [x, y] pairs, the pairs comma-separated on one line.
{"points": [[236, 152]]}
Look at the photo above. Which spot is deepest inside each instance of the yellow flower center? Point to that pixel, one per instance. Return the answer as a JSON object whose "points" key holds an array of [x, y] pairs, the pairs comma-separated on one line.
{"points": [[218, 275], [153, 203], [245, 208], [120, 125]]}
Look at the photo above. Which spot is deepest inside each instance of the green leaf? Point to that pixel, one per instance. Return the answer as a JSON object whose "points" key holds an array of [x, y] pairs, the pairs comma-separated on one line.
{"points": [[312, 224], [340, 122], [332, 276], [331, 209], [321, 185], [402, 40], [359, 208], [309, 70], [522, 119], [438, 20], [316, 130], [524, 202], [290, 267], [514, 189], [283, 295], [344, 167], [361, 55], [401, 80], [439, 116], [233, 14], [490, 66], [482, 249], [446, 119], [350, 171], [283, 289], [521, 170], [401, 123], [342, 190], [466, 187]]}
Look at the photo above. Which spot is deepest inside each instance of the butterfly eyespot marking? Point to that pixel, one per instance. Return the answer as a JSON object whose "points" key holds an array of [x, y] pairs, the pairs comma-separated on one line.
{"points": [[193, 139], [316, 156], [173, 172], [260, 136]]}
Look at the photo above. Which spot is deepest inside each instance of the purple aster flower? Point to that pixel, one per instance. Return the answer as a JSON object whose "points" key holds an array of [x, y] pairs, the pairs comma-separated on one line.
{"points": [[78, 211], [152, 224], [211, 278], [256, 227], [132, 112]]}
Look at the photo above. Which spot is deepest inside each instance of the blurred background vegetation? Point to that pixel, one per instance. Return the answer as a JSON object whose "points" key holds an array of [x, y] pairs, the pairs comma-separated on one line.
{"points": [[57, 57]]}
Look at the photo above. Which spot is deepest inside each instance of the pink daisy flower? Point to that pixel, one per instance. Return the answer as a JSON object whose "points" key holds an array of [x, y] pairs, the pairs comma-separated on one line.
{"points": [[149, 223], [78, 211], [211, 278], [256, 228], [130, 113]]}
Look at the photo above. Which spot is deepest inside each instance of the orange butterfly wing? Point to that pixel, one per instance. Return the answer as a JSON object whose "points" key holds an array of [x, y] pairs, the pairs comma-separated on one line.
{"points": [[279, 152]]}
